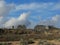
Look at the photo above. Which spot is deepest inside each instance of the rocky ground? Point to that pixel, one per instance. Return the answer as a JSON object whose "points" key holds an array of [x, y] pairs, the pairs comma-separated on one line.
{"points": [[32, 42]]}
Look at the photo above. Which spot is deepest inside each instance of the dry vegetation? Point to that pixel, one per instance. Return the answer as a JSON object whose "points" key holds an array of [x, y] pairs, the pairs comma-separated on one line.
{"points": [[40, 35]]}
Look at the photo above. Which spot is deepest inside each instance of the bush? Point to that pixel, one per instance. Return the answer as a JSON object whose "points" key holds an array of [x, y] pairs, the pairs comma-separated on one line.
{"points": [[31, 42]]}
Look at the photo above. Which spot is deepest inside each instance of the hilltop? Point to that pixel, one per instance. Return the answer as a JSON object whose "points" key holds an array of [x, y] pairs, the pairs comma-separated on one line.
{"points": [[40, 32]]}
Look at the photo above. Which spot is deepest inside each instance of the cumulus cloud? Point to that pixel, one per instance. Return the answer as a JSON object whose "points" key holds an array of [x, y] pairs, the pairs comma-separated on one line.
{"points": [[53, 21], [56, 19], [21, 20], [2, 21], [4, 11], [1, 18], [5, 8]]}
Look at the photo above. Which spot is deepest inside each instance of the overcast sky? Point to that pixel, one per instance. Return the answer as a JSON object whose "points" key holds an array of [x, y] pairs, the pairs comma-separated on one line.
{"points": [[29, 13]]}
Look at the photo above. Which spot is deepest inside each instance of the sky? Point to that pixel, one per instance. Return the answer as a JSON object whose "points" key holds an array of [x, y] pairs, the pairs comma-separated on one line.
{"points": [[29, 13]]}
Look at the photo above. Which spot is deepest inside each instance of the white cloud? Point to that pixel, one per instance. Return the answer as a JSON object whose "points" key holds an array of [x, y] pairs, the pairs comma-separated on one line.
{"points": [[39, 6], [1, 18], [1, 22], [5, 8], [53, 21], [33, 6], [10, 22], [4, 11], [21, 20], [23, 16], [56, 18]]}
